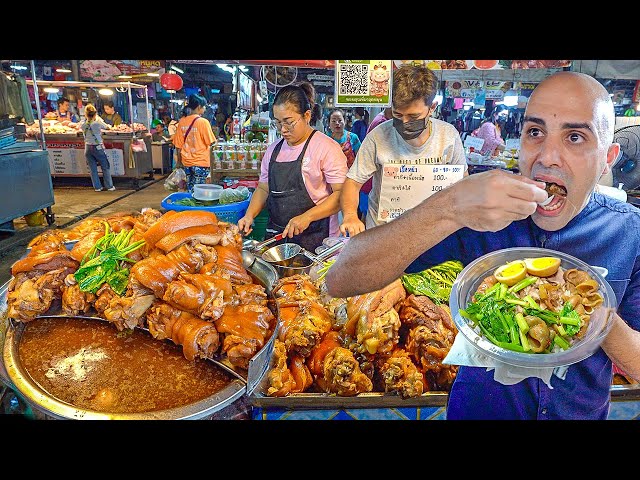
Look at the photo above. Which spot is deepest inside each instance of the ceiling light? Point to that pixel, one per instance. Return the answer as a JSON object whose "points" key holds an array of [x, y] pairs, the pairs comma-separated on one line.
{"points": [[63, 70], [51, 90], [179, 70], [105, 91], [153, 74], [125, 76], [18, 67], [226, 68]]}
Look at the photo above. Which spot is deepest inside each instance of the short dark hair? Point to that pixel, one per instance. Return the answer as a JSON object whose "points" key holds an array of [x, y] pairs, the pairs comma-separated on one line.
{"points": [[413, 82], [108, 103], [62, 100]]}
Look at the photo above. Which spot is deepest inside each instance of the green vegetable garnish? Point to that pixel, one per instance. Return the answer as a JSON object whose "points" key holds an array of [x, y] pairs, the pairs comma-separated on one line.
{"points": [[106, 262]]}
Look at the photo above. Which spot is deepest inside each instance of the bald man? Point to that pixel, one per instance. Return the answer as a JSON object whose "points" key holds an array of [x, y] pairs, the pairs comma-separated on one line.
{"points": [[567, 139]]}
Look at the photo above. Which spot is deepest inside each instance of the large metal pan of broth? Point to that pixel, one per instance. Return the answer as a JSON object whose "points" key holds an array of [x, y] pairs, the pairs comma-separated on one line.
{"points": [[16, 375]]}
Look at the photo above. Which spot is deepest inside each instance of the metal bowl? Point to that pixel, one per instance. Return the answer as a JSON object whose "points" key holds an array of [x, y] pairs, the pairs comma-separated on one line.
{"points": [[14, 375], [282, 254], [470, 278]]}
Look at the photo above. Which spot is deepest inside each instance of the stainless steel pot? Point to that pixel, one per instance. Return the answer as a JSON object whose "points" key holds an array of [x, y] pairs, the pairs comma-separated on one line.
{"points": [[13, 374]]}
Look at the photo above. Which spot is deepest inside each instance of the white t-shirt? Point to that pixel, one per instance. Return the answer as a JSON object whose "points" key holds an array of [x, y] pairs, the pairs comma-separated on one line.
{"points": [[384, 144]]}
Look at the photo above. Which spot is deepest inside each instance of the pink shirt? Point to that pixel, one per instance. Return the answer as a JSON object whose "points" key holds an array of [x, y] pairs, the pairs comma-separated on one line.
{"points": [[491, 137], [377, 120], [323, 163]]}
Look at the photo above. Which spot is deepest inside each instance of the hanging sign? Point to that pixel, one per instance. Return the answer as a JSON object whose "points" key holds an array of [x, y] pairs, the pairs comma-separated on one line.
{"points": [[363, 82]]}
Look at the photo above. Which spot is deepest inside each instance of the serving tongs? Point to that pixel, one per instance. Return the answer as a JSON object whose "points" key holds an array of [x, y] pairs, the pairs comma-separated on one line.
{"points": [[218, 360]]}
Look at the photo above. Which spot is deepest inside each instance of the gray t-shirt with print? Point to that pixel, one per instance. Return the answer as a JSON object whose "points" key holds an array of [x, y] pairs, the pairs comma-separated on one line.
{"points": [[383, 144]]}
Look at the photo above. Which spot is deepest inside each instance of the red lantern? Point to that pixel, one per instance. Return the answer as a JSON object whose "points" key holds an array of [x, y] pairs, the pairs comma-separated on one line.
{"points": [[171, 81]]}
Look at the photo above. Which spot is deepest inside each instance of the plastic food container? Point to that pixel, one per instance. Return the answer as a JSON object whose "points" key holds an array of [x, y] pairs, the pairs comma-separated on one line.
{"points": [[468, 281], [207, 191]]}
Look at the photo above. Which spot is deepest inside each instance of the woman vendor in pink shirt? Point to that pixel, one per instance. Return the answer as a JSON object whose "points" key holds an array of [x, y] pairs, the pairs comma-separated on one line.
{"points": [[491, 131], [301, 175]]}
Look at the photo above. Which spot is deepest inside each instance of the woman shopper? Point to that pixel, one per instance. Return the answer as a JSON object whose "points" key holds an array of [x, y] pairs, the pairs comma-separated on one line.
{"points": [[301, 175], [361, 124], [94, 152], [193, 139], [348, 141]]}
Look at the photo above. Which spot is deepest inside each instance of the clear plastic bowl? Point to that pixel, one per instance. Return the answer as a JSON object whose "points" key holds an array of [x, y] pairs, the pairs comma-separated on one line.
{"points": [[207, 191], [468, 281]]}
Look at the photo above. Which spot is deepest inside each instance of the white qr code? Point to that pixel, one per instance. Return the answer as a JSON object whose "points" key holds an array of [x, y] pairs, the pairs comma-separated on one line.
{"points": [[354, 79]]}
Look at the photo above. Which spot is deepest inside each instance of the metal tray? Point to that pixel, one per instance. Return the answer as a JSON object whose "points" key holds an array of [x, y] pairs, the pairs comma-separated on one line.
{"points": [[14, 376], [311, 401]]}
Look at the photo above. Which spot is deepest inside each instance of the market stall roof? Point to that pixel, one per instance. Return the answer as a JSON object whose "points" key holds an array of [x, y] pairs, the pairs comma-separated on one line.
{"points": [[279, 63], [73, 83]]}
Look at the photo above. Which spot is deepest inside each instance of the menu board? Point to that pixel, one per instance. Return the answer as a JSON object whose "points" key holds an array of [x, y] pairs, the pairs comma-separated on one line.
{"points": [[67, 157], [405, 186]]}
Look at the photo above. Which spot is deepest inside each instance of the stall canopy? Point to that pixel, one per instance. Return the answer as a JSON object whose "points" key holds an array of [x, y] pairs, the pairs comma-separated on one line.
{"points": [[618, 69]]}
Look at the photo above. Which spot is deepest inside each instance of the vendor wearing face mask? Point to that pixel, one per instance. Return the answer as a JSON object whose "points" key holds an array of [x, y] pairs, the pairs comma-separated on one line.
{"points": [[491, 131], [400, 155]]}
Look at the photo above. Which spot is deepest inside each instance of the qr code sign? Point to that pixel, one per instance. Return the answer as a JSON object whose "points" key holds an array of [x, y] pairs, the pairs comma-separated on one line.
{"points": [[354, 79]]}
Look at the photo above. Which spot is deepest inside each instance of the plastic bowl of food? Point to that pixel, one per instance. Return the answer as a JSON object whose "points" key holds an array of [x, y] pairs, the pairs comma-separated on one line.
{"points": [[472, 276], [207, 191]]}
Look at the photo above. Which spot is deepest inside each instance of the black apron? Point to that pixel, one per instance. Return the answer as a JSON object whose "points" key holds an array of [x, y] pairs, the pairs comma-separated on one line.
{"points": [[288, 198]]}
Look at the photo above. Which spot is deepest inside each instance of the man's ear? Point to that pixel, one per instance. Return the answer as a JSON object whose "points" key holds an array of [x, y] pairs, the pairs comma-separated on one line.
{"points": [[612, 156]]}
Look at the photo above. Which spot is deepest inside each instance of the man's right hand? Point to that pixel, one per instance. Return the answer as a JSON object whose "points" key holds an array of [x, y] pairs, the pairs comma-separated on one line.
{"points": [[351, 225], [490, 201], [245, 224]]}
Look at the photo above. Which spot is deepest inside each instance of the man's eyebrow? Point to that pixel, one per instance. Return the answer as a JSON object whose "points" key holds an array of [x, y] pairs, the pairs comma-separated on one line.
{"points": [[565, 126], [537, 120]]}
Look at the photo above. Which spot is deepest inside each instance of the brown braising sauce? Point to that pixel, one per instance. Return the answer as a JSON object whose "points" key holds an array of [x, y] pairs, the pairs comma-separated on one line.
{"points": [[89, 364]]}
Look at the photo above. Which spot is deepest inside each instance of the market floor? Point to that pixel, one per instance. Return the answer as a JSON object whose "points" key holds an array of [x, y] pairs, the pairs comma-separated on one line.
{"points": [[74, 203]]}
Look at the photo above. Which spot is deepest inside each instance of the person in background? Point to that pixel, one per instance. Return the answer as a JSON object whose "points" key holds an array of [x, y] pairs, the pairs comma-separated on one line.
{"points": [[301, 175], [348, 141], [411, 138], [568, 139], [383, 116], [158, 131], [316, 118], [110, 115], [170, 125], [193, 139], [227, 128], [491, 131], [91, 127], [361, 125], [63, 112]]}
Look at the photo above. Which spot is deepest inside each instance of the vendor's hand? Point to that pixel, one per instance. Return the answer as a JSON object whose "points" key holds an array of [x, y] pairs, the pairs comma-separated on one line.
{"points": [[245, 224], [296, 226], [489, 201], [351, 225]]}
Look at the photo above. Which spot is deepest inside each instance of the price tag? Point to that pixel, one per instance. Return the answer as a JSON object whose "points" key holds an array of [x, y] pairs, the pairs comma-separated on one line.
{"points": [[512, 144], [405, 186], [474, 142]]}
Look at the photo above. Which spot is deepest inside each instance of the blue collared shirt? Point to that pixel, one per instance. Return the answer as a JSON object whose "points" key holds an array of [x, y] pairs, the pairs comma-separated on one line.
{"points": [[605, 233]]}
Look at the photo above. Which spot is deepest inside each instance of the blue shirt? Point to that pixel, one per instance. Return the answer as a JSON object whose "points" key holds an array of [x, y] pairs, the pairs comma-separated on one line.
{"points": [[605, 233], [360, 129]]}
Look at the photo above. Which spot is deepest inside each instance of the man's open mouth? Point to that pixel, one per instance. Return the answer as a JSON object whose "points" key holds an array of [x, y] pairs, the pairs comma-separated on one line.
{"points": [[557, 196]]}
